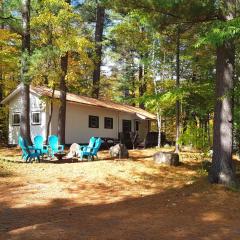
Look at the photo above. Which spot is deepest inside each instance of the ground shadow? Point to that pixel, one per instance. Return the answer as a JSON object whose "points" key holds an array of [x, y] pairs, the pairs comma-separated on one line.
{"points": [[177, 213]]}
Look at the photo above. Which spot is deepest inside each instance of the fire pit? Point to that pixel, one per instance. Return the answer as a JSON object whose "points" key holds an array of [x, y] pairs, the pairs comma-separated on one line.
{"points": [[60, 155]]}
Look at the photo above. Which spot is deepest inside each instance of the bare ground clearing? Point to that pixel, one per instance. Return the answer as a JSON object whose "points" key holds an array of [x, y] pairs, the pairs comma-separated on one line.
{"points": [[111, 199]]}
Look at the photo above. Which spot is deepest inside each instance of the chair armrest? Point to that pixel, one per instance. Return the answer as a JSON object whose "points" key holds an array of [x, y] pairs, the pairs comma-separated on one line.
{"points": [[81, 147], [87, 149]]}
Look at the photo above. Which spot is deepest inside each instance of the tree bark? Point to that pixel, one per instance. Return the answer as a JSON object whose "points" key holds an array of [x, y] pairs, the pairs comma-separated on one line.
{"points": [[63, 100], [50, 116], [63, 96], [177, 85], [1, 67], [222, 169], [100, 17], [142, 82], [25, 114]]}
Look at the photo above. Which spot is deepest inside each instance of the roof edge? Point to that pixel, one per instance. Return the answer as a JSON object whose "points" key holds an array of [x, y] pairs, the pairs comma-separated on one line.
{"points": [[12, 94], [33, 90]]}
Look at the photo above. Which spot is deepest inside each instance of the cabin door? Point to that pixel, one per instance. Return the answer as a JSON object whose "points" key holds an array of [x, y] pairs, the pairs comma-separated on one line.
{"points": [[126, 125]]}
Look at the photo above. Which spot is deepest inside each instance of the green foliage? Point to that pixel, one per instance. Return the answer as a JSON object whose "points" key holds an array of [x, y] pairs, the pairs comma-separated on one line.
{"points": [[55, 34], [220, 31], [140, 35], [3, 125], [196, 136]]}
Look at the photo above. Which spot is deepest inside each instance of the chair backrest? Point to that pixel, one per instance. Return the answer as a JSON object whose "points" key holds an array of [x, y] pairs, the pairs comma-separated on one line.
{"points": [[23, 145], [38, 142], [92, 142], [97, 145], [53, 142]]}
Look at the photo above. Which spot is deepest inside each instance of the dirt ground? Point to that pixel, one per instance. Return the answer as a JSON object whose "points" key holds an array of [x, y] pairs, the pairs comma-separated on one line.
{"points": [[114, 199]]}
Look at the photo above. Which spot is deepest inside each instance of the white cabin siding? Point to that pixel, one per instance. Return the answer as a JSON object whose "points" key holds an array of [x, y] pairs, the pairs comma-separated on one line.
{"points": [[77, 129], [36, 105], [77, 120]]}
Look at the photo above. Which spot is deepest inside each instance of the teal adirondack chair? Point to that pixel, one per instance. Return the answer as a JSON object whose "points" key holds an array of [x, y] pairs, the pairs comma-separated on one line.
{"points": [[54, 147], [90, 152], [38, 144], [28, 152], [89, 146]]}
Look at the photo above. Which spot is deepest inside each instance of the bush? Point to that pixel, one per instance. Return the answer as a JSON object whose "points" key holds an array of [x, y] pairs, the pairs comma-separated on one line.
{"points": [[196, 137], [3, 125]]}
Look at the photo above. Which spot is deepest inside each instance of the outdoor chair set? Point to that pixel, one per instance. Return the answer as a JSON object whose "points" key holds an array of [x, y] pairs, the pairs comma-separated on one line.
{"points": [[39, 149]]}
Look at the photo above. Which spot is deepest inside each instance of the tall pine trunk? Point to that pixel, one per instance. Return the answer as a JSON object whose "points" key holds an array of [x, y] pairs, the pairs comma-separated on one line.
{"points": [[63, 96], [177, 85], [100, 16], [63, 100], [1, 67], [25, 114], [50, 114], [222, 169], [142, 82]]}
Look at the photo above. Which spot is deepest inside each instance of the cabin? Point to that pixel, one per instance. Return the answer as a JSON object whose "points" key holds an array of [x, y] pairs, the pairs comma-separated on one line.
{"points": [[85, 116]]}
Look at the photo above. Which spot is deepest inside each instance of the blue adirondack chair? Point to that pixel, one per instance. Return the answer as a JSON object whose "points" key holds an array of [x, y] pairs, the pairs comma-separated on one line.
{"points": [[28, 152], [90, 152], [89, 146], [54, 147], [38, 144]]}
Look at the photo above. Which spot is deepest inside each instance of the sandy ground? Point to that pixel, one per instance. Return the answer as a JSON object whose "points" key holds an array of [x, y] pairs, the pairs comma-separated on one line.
{"points": [[112, 199]]}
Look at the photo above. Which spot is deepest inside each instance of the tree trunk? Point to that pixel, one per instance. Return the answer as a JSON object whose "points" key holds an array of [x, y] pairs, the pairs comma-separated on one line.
{"points": [[50, 116], [177, 85], [222, 169], [142, 80], [1, 67], [25, 114], [159, 124], [100, 16], [63, 100], [63, 97]]}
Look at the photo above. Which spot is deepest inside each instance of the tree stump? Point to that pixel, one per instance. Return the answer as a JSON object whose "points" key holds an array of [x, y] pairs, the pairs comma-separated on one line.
{"points": [[167, 158], [119, 150]]}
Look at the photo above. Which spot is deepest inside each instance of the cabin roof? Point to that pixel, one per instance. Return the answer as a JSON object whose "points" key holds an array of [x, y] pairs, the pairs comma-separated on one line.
{"points": [[44, 91]]}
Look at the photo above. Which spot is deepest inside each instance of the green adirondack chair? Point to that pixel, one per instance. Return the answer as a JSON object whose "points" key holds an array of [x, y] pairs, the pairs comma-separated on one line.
{"points": [[29, 153]]}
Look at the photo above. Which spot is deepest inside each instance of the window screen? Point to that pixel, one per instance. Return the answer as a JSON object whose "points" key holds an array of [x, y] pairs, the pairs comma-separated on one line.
{"points": [[16, 119], [108, 123], [36, 118], [93, 122]]}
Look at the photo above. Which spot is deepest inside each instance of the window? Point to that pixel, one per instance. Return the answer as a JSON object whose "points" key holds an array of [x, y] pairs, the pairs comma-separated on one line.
{"points": [[127, 125], [16, 119], [93, 122], [108, 123], [36, 118]]}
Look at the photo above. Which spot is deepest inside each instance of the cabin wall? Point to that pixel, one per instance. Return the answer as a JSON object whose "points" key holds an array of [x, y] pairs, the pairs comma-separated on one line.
{"points": [[36, 105], [77, 129]]}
